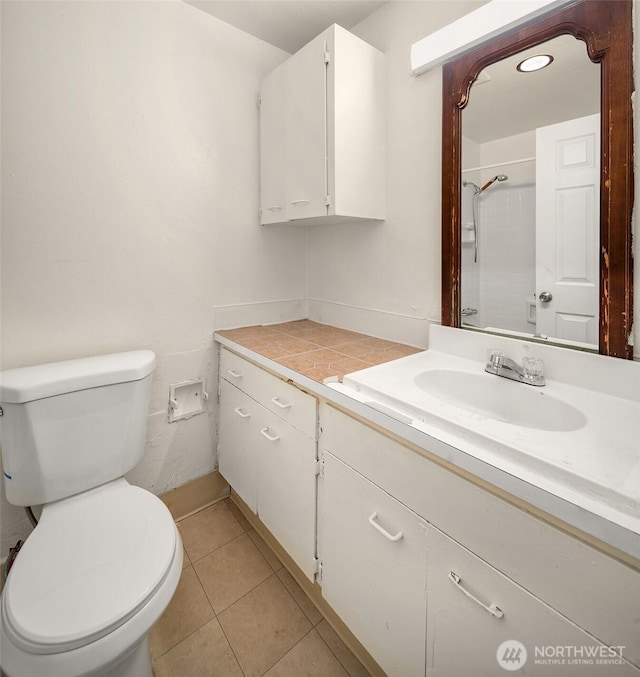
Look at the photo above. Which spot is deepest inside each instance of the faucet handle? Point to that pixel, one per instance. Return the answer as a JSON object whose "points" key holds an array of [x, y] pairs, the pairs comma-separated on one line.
{"points": [[495, 357], [533, 367]]}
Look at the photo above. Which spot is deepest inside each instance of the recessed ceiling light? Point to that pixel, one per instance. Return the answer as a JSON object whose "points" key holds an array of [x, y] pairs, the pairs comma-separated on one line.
{"points": [[534, 63]]}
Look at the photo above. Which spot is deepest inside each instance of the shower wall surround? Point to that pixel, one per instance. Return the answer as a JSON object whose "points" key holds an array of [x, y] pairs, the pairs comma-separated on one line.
{"points": [[502, 281]]}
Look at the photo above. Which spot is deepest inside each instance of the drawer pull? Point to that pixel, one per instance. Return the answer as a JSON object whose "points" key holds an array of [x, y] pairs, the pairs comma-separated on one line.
{"points": [[242, 413], [234, 373], [492, 609], [299, 202], [272, 438], [372, 521], [282, 405]]}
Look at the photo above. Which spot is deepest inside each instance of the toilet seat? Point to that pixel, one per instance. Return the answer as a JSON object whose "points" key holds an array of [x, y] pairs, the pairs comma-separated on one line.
{"points": [[93, 561]]}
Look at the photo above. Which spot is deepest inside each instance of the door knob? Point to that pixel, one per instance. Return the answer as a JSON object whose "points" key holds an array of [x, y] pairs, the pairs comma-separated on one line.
{"points": [[545, 296]]}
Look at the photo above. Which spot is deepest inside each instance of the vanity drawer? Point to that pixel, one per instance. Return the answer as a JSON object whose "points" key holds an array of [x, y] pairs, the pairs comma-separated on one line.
{"points": [[597, 592], [283, 399], [479, 622]]}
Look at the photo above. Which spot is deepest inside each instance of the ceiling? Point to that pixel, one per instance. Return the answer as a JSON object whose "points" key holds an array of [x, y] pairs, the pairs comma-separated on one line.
{"points": [[288, 24], [504, 102]]}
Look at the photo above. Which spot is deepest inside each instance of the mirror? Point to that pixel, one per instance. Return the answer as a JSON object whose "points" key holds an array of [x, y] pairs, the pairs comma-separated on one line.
{"points": [[513, 229], [530, 158]]}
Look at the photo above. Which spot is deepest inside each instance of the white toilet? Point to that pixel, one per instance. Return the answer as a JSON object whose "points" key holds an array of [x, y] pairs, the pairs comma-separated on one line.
{"points": [[105, 558]]}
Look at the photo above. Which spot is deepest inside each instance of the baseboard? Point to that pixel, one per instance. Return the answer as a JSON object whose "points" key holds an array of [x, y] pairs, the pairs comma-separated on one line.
{"points": [[196, 495], [312, 590], [413, 331], [265, 312]]}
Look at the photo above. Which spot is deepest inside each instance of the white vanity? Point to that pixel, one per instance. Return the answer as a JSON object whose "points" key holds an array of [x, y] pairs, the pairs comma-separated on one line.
{"points": [[437, 532]]}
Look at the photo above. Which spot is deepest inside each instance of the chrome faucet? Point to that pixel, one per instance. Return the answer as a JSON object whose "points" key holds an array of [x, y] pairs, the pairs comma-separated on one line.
{"points": [[531, 372]]}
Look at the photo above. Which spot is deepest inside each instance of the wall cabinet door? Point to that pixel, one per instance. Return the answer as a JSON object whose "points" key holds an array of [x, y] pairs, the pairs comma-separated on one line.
{"points": [[374, 566], [306, 147], [474, 609], [272, 148]]}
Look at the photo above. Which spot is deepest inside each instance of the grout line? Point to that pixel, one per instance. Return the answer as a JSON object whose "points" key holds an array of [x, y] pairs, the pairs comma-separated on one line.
{"points": [[173, 646], [289, 651], [231, 647]]}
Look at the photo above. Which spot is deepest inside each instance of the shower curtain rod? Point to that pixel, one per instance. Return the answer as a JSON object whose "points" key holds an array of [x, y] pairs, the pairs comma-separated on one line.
{"points": [[499, 164]]}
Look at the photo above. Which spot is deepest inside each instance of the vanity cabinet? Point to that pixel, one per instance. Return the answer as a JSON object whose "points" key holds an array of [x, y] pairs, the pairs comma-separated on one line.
{"points": [[267, 453], [374, 572], [554, 589], [475, 613], [322, 130]]}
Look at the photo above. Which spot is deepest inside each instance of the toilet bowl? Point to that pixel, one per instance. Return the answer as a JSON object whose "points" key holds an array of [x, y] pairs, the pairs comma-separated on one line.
{"points": [[105, 558], [90, 581]]}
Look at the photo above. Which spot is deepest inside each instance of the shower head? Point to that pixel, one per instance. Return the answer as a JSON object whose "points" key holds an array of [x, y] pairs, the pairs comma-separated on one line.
{"points": [[497, 177], [476, 189]]}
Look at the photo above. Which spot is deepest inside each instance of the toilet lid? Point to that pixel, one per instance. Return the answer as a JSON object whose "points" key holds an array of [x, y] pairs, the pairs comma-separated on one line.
{"points": [[90, 564]]}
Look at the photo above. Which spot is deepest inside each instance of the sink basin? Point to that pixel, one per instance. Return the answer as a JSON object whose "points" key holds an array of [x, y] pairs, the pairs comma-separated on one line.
{"points": [[501, 400], [575, 439]]}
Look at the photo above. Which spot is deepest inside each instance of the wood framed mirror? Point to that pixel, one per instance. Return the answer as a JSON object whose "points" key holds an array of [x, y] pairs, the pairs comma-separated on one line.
{"points": [[606, 30]]}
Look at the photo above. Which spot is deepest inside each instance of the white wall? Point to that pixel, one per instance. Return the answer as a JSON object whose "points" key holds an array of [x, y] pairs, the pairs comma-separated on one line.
{"points": [[130, 200], [384, 278]]}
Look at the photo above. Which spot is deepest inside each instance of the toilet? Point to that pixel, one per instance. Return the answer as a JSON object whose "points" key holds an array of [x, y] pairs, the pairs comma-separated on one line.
{"points": [[105, 558]]}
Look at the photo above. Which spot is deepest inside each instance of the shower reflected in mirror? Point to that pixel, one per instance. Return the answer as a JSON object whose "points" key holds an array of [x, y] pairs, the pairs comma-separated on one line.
{"points": [[531, 233], [474, 212]]}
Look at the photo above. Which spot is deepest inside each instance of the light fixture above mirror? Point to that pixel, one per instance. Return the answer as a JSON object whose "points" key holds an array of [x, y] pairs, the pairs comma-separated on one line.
{"points": [[605, 28]]}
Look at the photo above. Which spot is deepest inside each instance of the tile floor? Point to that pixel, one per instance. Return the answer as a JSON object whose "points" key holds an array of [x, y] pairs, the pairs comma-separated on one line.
{"points": [[238, 612], [318, 351]]}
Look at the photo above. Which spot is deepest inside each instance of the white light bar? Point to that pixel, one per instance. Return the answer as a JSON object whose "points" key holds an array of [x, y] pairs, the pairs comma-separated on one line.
{"points": [[484, 23]]}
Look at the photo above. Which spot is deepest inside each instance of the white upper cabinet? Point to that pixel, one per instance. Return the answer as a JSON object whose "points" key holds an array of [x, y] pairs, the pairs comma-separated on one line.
{"points": [[322, 129]]}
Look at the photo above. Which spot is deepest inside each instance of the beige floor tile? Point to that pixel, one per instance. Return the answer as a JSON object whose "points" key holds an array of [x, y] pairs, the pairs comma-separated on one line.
{"points": [[185, 558], [266, 551], [188, 610], [310, 657], [208, 529], [263, 626], [232, 571], [298, 594], [342, 652], [205, 653]]}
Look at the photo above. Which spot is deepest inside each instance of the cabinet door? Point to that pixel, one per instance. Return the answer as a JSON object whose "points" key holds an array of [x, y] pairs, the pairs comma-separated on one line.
{"points": [[287, 489], [479, 621], [373, 553], [305, 116], [238, 447], [272, 147]]}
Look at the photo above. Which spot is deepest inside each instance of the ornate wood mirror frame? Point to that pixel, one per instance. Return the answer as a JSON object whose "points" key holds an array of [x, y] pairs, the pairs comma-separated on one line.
{"points": [[606, 28]]}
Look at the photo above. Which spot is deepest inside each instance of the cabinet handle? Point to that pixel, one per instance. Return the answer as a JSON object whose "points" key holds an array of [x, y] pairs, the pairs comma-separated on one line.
{"points": [[235, 374], [272, 438], [282, 405], [274, 208], [241, 413], [299, 202], [372, 521], [493, 609]]}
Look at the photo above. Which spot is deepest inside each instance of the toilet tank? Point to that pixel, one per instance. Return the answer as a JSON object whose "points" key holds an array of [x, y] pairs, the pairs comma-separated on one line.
{"points": [[70, 426]]}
